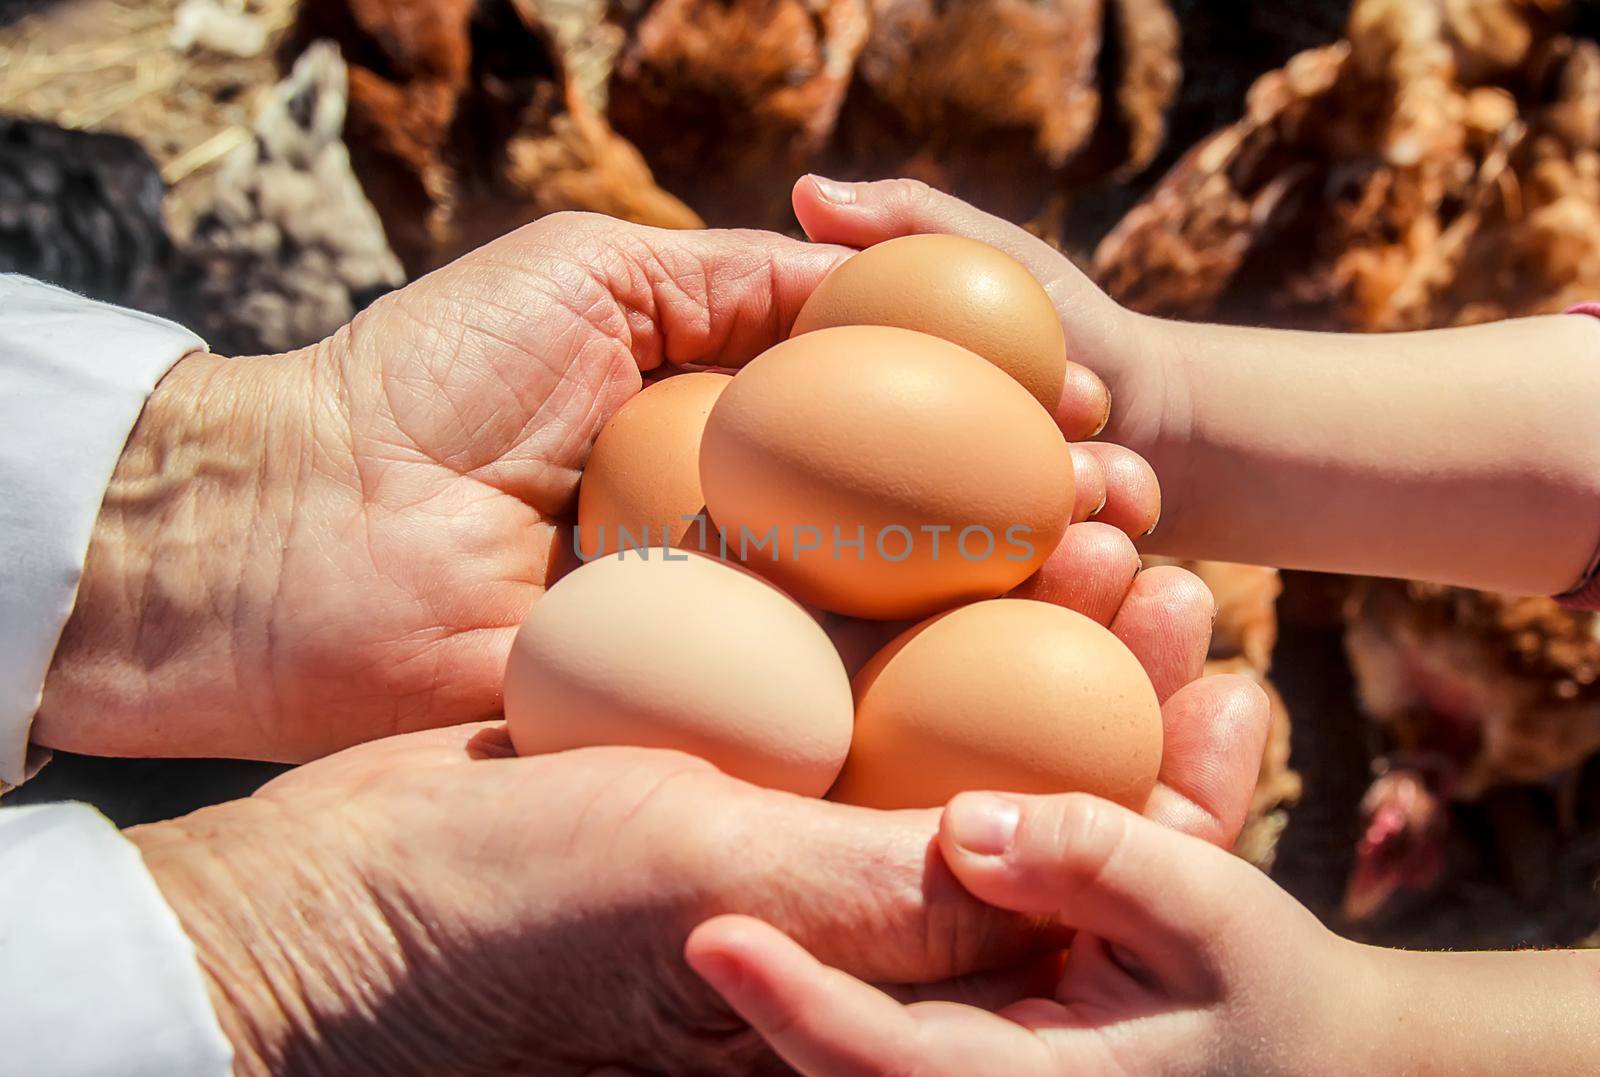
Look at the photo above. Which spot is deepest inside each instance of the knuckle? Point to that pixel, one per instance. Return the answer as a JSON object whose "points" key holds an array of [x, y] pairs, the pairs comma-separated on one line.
{"points": [[569, 220], [1082, 834], [914, 192]]}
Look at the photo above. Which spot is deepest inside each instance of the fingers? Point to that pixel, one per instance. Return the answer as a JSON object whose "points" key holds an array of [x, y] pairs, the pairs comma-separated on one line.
{"points": [[822, 1021], [819, 1020], [990, 990], [1133, 495], [1090, 570], [1097, 867], [1085, 405], [864, 890], [861, 214], [1216, 729], [715, 297], [1165, 619], [1089, 484], [1115, 486]]}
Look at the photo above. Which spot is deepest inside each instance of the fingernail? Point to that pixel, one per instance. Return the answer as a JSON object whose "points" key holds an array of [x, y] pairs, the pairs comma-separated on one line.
{"points": [[839, 193], [983, 824], [1098, 509], [1105, 419], [1153, 526]]}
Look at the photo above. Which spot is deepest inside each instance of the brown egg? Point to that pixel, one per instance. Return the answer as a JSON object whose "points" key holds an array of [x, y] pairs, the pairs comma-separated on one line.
{"points": [[641, 485], [883, 473], [956, 288], [1011, 695], [670, 649]]}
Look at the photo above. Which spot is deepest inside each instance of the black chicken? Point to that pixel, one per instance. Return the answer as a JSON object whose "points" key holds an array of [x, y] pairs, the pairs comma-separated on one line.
{"points": [[83, 210]]}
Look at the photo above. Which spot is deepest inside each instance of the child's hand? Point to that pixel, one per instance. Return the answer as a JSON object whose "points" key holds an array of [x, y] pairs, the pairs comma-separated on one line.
{"points": [[1104, 338], [1323, 451], [1186, 960]]}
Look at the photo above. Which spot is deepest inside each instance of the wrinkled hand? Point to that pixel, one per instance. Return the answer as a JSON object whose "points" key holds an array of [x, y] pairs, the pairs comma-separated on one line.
{"points": [[409, 905], [1185, 961], [301, 552], [428, 903]]}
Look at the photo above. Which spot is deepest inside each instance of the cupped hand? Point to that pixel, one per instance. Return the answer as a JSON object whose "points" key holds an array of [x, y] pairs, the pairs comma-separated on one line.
{"points": [[430, 903], [1185, 961], [302, 552], [1129, 354]]}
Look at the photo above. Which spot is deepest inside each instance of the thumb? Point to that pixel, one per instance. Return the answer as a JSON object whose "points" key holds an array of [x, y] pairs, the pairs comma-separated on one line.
{"points": [[1097, 867]]}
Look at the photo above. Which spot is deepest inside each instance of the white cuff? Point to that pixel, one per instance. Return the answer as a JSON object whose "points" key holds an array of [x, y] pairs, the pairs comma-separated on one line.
{"points": [[74, 376], [96, 974]]}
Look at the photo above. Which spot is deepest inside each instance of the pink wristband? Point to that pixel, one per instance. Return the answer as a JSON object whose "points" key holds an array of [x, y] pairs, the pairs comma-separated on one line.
{"points": [[1585, 596]]}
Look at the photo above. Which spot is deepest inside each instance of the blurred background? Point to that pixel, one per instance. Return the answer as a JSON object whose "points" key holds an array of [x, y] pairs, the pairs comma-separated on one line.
{"points": [[262, 169]]}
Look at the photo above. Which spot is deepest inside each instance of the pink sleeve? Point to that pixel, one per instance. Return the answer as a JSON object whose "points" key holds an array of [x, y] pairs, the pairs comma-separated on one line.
{"points": [[1585, 596]]}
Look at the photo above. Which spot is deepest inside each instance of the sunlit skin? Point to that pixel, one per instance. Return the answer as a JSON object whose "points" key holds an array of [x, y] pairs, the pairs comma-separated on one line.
{"points": [[1428, 455], [302, 552], [1185, 960], [307, 551]]}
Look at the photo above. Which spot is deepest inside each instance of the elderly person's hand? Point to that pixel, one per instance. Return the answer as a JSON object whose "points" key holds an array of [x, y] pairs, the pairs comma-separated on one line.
{"points": [[428, 903], [343, 542], [298, 553]]}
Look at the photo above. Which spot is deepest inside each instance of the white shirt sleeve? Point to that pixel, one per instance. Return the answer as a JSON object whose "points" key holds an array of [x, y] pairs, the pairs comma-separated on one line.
{"points": [[74, 376], [97, 978], [96, 974]]}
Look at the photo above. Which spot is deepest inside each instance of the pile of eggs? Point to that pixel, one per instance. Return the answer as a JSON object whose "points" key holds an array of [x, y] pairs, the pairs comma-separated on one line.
{"points": [[895, 459]]}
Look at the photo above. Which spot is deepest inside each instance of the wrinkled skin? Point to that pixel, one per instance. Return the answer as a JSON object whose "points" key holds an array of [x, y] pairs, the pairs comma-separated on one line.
{"points": [[343, 540], [1184, 961], [429, 902], [524, 915], [298, 553]]}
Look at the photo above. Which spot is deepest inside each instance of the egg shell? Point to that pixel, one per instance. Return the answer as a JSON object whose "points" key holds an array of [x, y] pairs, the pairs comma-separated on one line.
{"points": [[688, 653], [956, 288], [1010, 695], [642, 480], [871, 429]]}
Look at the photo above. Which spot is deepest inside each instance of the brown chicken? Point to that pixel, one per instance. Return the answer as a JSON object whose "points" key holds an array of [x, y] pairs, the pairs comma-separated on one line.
{"points": [[464, 124], [731, 101], [1002, 101], [287, 249], [1439, 167], [1474, 691]]}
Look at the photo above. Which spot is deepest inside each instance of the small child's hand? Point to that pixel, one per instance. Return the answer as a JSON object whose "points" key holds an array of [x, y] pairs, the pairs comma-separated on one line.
{"points": [[1186, 960], [1325, 451], [1111, 349]]}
